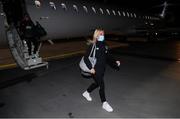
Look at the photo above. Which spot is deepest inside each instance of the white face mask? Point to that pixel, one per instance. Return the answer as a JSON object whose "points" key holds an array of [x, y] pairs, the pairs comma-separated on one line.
{"points": [[101, 38]]}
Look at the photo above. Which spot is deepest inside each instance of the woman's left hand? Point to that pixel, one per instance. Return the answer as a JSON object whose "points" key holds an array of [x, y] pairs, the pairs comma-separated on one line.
{"points": [[118, 63]]}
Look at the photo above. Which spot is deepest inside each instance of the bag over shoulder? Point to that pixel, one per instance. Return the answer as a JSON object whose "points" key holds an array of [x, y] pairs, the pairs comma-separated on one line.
{"points": [[91, 58]]}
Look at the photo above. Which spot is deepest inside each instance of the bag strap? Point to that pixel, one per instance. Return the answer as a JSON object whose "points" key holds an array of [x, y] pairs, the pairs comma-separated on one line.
{"points": [[92, 49], [94, 53]]}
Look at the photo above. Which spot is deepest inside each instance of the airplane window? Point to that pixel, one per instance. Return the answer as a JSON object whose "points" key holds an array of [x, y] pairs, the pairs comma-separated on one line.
{"points": [[135, 15], [119, 13], [127, 14], [131, 15], [75, 8], [124, 13], [63, 6], [114, 12], [85, 9], [37, 3], [101, 10], [108, 11], [52, 5], [94, 10]]}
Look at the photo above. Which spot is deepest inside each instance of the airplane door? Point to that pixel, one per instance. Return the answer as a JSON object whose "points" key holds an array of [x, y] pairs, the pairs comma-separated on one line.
{"points": [[2, 28]]}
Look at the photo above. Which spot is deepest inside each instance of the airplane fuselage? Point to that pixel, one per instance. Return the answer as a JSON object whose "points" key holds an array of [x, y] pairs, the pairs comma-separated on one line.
{"points": [[68, 19]]}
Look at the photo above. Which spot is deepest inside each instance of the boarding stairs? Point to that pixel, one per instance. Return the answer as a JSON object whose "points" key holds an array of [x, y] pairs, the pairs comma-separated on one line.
{"points": [[19, 50]]}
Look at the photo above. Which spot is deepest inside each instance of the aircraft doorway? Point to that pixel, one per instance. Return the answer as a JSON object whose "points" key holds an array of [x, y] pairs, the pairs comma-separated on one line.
{"points": [[14, 10]]}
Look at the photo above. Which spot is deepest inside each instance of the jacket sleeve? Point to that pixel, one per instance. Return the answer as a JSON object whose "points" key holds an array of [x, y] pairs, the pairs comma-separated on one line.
{"points": [[86, 59], [111, 61]]}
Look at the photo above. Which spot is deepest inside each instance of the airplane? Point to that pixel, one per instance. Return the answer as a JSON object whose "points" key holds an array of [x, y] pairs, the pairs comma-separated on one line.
{"points": [[65, 19]]}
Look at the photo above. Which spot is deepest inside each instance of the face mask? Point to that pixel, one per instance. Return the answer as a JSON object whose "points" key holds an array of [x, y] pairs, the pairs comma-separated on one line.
{"points": [[101, 38]]}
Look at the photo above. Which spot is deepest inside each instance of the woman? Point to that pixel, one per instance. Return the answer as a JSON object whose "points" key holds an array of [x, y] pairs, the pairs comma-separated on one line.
{"points": [[97, 72], [29, 34]]}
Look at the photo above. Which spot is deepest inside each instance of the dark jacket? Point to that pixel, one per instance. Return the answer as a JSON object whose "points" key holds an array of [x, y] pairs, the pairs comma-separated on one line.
{"points": [[103, 57], [27, 27]]}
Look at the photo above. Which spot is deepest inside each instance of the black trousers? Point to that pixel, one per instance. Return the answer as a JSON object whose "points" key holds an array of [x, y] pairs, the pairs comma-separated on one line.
{"points": [[99, 82], [36, 44]]}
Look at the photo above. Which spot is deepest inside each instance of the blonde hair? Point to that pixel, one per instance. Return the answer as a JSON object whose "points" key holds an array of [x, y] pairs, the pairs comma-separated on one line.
{"points": [[95, 35]]}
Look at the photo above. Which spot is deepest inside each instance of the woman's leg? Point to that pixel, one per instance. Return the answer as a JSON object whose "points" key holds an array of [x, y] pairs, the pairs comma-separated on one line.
{"points": [[36, 44], [92, 87], [29, 46], [86, 94], [100, 81], [105, 104]]}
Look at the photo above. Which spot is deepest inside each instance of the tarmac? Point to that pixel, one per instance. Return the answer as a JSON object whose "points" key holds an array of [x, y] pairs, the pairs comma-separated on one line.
{"points": [[63, 49], [147, 85]]}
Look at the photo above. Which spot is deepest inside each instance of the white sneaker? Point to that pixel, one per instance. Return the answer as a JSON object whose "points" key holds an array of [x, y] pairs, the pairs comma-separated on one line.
{"points": [[87, 96], [107, 107]]}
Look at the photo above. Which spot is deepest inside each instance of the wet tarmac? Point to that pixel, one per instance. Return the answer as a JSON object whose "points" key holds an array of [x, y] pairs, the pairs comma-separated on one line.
{"points": [[147, 85]]}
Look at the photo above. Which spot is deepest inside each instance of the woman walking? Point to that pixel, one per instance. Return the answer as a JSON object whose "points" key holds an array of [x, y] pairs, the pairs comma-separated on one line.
{"points": [[98, 70]]}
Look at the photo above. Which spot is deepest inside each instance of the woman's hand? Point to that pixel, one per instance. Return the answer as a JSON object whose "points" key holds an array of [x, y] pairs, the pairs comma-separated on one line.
{"points": [[92, 71], [118, 63]]}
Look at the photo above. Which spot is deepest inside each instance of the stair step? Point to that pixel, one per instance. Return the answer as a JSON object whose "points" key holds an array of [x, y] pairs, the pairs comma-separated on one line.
{"points": [[37, 66]]}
